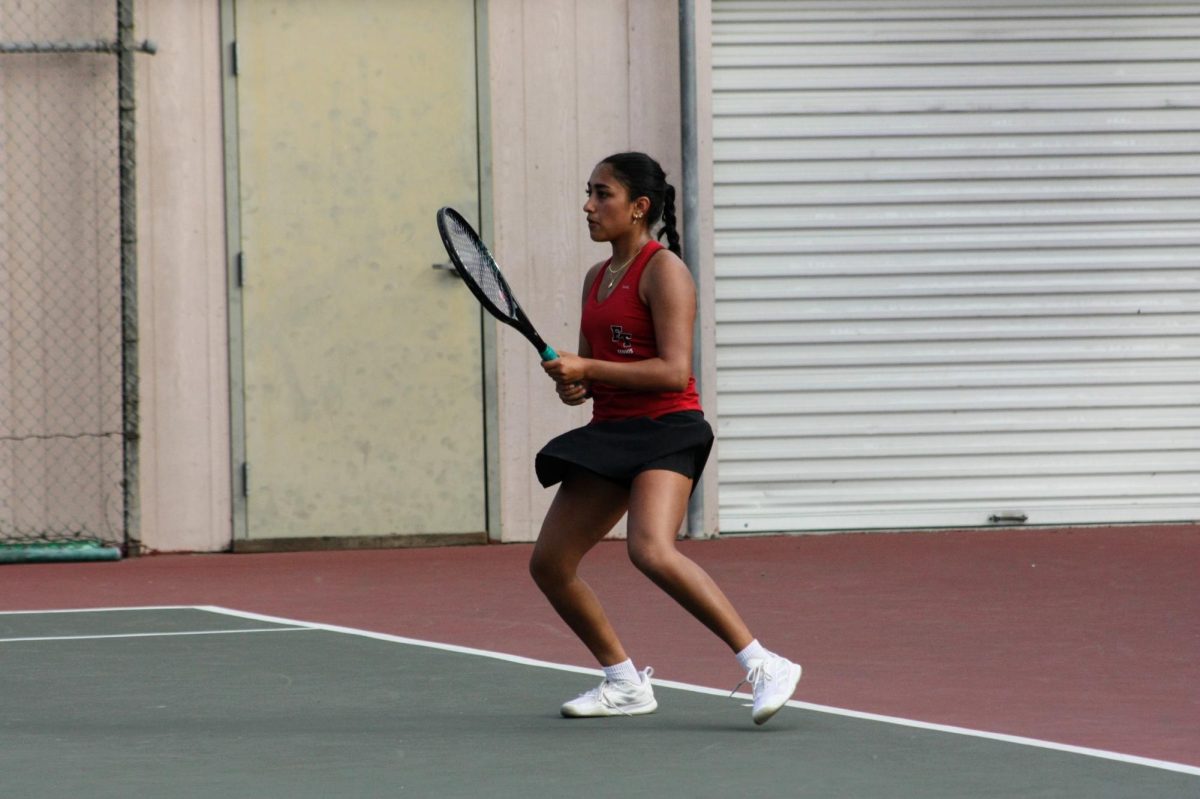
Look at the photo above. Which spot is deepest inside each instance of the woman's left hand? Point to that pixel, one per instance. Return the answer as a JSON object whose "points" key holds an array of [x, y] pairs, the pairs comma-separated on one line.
{"points": [[568, 368], [572, 393]]}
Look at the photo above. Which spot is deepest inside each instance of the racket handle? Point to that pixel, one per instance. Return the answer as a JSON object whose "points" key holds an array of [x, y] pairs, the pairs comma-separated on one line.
{"points": [[549, 354]]}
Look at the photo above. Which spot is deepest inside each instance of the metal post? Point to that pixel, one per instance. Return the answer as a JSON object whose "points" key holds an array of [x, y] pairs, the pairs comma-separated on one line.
{"points": [[126, 104]]}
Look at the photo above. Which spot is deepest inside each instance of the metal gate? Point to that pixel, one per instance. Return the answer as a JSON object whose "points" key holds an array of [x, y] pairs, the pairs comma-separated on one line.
{"points": [[68, 285]]}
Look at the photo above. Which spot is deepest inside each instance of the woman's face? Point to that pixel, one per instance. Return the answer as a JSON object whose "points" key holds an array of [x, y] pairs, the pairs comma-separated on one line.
{"points": [[610, 212]]}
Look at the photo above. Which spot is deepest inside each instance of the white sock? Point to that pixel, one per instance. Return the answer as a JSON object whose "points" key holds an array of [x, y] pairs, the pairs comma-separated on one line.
{"points": [[622, 672], [755, 651]]}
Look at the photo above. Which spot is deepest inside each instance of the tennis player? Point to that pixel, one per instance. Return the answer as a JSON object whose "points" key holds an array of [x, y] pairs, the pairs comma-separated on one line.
{"points": [[645, 447]]}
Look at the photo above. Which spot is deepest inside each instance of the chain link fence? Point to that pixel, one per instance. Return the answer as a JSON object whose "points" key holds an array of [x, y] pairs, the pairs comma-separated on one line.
{"points": [[68, 412]]}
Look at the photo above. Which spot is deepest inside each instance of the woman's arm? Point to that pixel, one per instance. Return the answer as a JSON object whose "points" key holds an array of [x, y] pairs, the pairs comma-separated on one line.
{"points": [[667, 288]]}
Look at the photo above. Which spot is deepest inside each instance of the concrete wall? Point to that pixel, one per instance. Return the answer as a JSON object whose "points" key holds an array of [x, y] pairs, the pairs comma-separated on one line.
{"points": [[185, 463], [566, 83], [706, 296], [569, 83]]}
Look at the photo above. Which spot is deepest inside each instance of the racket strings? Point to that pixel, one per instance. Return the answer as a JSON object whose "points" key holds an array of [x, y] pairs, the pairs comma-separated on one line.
{"points": [[479, 265]]}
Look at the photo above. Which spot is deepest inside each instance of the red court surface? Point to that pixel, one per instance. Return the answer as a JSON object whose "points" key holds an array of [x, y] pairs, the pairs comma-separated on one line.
{"points": [[1087, 637]]}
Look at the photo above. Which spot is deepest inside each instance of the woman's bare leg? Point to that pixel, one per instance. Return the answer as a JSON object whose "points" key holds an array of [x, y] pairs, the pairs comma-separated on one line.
{"points": [[584, 510], [657, 504]]}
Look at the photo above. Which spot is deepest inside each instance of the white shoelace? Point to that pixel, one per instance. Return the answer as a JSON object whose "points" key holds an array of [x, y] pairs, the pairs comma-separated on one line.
{"points": [[757, 678], [601, 695]]}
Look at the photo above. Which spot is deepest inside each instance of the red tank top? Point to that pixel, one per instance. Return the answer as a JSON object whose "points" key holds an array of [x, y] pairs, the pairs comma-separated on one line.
{"points": [[620, 328]]}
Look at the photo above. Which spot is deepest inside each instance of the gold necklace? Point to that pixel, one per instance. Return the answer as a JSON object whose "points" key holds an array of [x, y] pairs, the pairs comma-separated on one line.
{"points": [[615, 275]]}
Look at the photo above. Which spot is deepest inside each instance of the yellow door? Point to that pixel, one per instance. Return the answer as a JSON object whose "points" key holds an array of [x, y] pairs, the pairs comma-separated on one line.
{"points": [[362, 364]]}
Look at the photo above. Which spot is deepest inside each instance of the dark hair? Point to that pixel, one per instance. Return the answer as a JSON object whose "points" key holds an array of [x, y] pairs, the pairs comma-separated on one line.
{"points": [[642, 176]]}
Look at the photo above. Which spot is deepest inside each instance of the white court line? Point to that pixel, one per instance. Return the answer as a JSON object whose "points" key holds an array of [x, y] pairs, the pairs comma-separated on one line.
{"points": [[159, 635], [1165, 765], [517, 659], [97, 610]]}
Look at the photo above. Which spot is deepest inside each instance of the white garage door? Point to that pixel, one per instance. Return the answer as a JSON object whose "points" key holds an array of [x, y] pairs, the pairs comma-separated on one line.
{"points": [[958, 263]]}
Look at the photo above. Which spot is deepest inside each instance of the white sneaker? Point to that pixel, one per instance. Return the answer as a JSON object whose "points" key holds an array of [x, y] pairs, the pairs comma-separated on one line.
{"points": [[620, 698], [774, 680]]}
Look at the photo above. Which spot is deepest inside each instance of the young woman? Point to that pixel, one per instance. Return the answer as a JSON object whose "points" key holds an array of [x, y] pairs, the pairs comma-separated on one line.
{"points": [[645, 447]]}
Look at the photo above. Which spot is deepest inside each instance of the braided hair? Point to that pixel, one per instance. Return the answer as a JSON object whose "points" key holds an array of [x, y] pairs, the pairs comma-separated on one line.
{"points": [[642, 176]]}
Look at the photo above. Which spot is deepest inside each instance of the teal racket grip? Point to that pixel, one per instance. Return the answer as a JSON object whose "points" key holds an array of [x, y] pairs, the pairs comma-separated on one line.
{"points": [[549, 354]]}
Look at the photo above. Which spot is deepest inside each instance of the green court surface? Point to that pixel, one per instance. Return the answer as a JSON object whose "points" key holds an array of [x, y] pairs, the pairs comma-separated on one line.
{"points": [[195, 702]]}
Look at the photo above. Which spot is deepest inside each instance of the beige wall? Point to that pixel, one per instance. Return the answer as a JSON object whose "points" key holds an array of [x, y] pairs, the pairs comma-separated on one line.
{"points": [[185, 462], [569, 83], [706, 290]]}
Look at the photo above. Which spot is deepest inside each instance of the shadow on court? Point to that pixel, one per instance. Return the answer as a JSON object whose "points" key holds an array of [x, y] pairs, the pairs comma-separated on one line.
{"points": [[197, 703]]}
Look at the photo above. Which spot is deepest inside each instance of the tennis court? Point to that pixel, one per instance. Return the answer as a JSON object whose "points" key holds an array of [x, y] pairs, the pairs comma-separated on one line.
{"points": [[195, 698]]}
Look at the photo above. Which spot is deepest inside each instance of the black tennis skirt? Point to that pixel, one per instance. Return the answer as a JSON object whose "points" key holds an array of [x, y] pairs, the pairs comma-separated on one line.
{"points": [[620, 450]]}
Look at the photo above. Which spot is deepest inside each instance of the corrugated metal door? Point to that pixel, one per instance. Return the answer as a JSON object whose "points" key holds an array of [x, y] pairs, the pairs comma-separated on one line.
{"points": [[957, 263]]}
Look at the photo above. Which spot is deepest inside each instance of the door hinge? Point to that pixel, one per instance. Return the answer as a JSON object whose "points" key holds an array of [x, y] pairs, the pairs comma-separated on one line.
{"points": [[233, 58], [239, 264], [245, 476]]}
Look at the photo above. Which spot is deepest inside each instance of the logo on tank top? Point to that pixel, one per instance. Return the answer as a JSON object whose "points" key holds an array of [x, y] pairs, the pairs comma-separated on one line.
{"points": [[623, 340]]}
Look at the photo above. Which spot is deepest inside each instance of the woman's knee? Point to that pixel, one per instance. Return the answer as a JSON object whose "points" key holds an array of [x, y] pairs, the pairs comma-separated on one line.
{"points": [[651, 558], [547, 570]]}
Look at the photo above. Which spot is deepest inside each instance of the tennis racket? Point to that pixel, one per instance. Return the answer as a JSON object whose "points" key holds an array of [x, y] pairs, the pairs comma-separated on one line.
{"points": [[478, 269]]}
